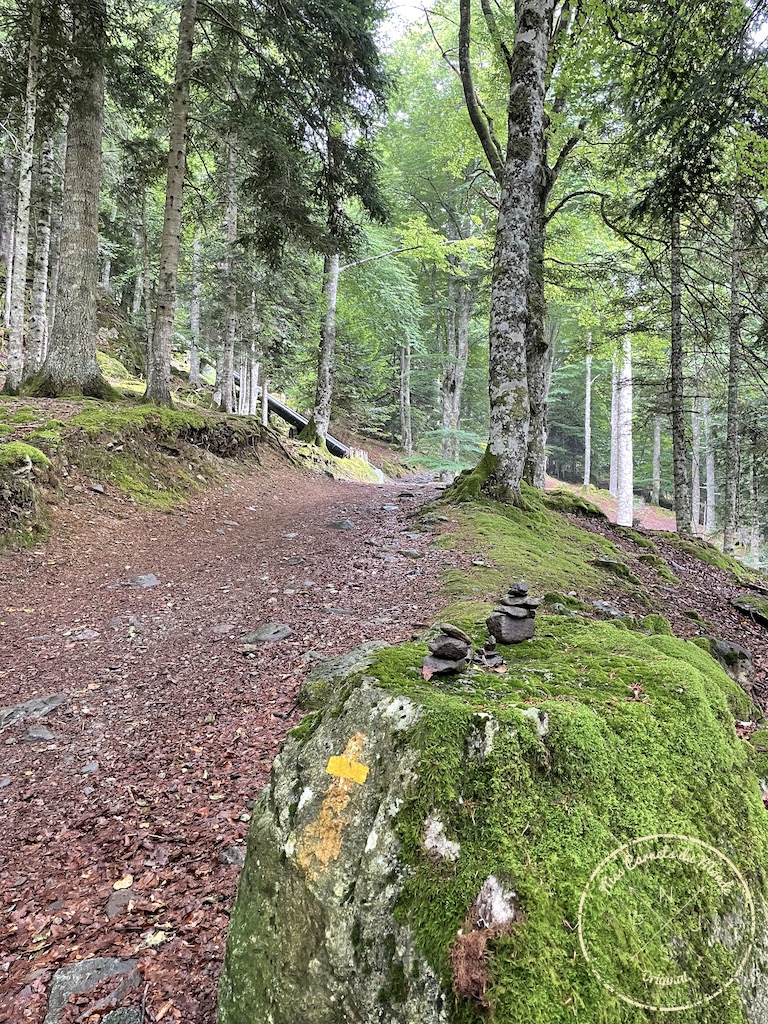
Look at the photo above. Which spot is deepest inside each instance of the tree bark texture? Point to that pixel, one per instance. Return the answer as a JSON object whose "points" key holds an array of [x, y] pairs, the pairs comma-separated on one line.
{"points": [[624, 448], [613, 472], [754, 505], [36, 340], [406, 427], [460, 300], [695, 468], [324, 389], [588, 422], [656, 461], [732, 436], [538, 354], [70, 366], [515, 248], [159, 361], [230, 333], [56, 220], [194, 314], [680, 456], [710, 508], [23, 210]]}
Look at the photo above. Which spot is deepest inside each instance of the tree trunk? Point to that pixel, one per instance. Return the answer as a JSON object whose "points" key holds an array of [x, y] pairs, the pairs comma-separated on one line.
{"points": [[56, 221], [70, 366], [406, 427], [36, 341], [695, 467], [588, 421], [710, 508], [460, 300], [515, 251], [23, 209], [683, 512], [230, 335], [7, 217], [538, 352], [194, 314], [613, 483], [324, 390], [8, 282], [159, 362], [253, 405], [754, 502], [734, 367], [624, 452], [656, 461]]}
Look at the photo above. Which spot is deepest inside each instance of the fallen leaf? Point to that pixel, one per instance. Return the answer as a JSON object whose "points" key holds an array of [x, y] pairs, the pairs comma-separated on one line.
{"points": [[123, 883]]}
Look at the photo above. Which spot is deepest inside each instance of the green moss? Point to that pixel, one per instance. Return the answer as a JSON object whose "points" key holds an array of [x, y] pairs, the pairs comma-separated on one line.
{"points": [[573, 604], [469, 485], [14, 454], [567, 501], [535, 544], [656, 624], [710, 555], [660, 565], [306, 726], [637, 538], [545, 814], [617, 568]]}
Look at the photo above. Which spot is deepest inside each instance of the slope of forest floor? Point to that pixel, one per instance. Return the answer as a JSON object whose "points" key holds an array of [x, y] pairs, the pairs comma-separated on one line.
{"points": [[126, 810], [645, 515]]}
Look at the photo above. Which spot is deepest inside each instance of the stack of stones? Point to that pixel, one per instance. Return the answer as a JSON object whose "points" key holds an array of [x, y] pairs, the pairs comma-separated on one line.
{"points": [[513, 620], [449, 652]]}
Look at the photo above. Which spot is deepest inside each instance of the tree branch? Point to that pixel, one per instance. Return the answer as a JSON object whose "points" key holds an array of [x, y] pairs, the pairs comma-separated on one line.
{"points": [[572, 195], [481, 120], [495, 35]]}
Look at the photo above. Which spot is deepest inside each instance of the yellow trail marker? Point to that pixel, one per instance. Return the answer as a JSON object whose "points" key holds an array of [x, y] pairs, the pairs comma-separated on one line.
{"points": [[346, 768]]}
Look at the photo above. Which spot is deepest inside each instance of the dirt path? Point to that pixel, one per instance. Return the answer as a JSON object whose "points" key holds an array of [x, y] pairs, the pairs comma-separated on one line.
{"points": [[166, 733]]}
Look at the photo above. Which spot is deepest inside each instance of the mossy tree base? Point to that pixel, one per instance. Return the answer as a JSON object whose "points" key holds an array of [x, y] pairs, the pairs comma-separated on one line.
{"points": [[311, 435], [484, 480], [45, 385]]}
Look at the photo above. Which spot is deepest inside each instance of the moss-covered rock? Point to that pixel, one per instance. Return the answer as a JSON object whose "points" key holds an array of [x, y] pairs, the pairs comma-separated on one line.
{"points": [[656, 624], [753, 605], [659, 564], [347, 909], [17, 455], [564, 500]]}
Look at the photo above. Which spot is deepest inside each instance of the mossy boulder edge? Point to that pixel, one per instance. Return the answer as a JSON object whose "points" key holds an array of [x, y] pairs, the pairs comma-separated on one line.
{"points": [[346, 913]]}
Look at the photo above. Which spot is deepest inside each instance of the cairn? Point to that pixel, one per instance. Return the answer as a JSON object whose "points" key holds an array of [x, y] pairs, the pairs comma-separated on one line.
{"points": [[514, 619], [450, 652]]}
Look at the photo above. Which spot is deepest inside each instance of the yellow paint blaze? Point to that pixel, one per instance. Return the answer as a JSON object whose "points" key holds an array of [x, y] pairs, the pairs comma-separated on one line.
{"points": [[346, 768]]}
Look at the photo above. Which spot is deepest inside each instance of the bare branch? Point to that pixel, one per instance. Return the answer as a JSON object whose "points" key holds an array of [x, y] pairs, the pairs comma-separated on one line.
{"points": [[481, 120]]}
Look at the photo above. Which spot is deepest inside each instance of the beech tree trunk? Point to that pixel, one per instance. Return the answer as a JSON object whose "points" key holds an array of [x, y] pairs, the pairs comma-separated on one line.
{"points": [[695, 468], [460, 300], [70, 365], [680, 457], [56, 221], [324, 390], [36, 340], [159, 361], [754, 503], [23, 209], [656, 461], [406, 428], [613, 482], [230, 333], [624, 448], [538, 353], [515, 250], [588, 421], [732, 437], [194, 314], [710, 508], [7, 217]]}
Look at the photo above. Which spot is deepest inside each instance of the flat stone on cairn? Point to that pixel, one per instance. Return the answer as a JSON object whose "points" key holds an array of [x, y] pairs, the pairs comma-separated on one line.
{"points": [[450, 652], [512, 620]]}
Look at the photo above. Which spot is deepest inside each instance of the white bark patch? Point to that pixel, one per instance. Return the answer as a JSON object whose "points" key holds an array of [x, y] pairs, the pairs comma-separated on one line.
{"points": [[436, 842], [494, 905], [539, 719]]}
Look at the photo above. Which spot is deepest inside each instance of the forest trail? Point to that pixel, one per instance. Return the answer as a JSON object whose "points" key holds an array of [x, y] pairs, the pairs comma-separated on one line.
{"points": [[146, 772]]}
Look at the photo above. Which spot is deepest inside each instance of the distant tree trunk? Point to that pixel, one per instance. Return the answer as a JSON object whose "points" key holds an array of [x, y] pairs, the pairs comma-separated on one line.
{"points": [[656, 461], [253, 406], [7, 217], [588, 420], [710, 508], [613, 478], [624, 448], [194, 314], [321, 416], [695, 468], [70, 366], [230, 334], [217, 378], [460, 300], [8, 281], [106, 266], [56, 221], [406, 428], [754, 502], [23, 209], [683, 512], [36, 340], [732, 437], [159, 361]]}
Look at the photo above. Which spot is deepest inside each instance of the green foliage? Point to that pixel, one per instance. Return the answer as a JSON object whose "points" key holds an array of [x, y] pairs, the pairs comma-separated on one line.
{"points": [[14, 454]]}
